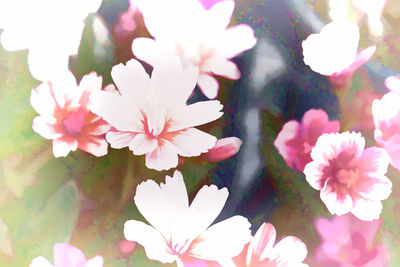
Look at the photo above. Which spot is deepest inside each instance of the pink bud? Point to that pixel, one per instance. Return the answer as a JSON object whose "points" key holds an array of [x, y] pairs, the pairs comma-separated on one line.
{"points": [[224, 148], [126, 247]]}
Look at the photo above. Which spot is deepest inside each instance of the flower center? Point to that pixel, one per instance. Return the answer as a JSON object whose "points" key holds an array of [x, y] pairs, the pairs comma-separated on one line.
{"points": [[75, 121], [347, 177]]}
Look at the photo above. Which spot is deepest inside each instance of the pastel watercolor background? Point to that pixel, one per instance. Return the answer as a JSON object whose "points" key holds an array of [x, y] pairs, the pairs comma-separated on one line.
{"points": [[85, 200]]}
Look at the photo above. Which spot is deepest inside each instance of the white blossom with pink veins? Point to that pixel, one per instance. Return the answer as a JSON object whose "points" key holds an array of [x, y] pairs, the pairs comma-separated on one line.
{"points": [[51, 30], [262, 251], [151, 116], [182, 233], [65, 117], [199, 36], [333, 49], [350, 178]]}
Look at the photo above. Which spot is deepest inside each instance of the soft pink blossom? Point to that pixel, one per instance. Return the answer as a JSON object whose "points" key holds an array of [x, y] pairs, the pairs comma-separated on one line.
{"points": [[65, 117], [295, 140], [224, 148], [362, 108], [197, 35], [182, 233], [207, 4], [347, 241], [386, 114], [262, 251], [393, 83], [350, 178], [151, 116], [51, 30], [334, 51], [65, 255]]}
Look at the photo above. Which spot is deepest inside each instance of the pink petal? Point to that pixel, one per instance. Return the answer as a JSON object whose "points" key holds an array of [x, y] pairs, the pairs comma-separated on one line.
{"points": [[223, 240], [119, 139], [46, 127], [196, 114], [224, 148], [315, 175], [207, 4], [141, 144], [374, 160], [235, 40], [153, 243], [262, 244], [392, 147], [123, 75], [208, 85], [335, 203], [363, 56], [164, 157], [367, 210], [95, 146], [66, 255], [192, 142], [102, 127], [289, 132]]}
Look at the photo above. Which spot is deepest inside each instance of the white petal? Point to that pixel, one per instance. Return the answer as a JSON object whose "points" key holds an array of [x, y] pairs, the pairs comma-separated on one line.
{"points": [[367, 210], [223, 240], [193, 142], [91, 82], [329, 196], [96, 146], [45, 66], [142, 144], [45, 126], [132, 80], [262, 243], [146, 49], [153, 243], [220, 13], [164, 157], [298, 251], [235, 40], [119, 139], [222, 67], [196, 114], [42, 99], [40, 262], [208, 85], [205, 208], [117, 111], [96, 261], [62, 148], [160, 205]]}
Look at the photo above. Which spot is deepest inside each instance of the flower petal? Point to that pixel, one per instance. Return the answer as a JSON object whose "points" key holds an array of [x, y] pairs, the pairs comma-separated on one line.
{"points": [[96, 261], [164, 157], [119, 139], [46, 127], [62, 148], [208, 85], [219, 15], [223, 240], [40, 262], [42, 99], [222, 67], [153, 243], [298, 251], [196, 114], [193, 142], [262, 243], [96, 146], [367, 210], [141, 144], [146, 49], [66, 255], [160, 205], [235, 40], [336, 204]]}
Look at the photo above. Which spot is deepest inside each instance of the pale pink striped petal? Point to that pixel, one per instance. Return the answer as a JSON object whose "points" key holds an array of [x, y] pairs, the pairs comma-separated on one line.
{"points": [[262, 243], [141, 144], [46, 127], [164, 157], [193, 142], [95, 146], [119, 139]]}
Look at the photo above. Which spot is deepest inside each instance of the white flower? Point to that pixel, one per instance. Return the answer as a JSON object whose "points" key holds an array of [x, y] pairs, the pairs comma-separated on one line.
{"points": [[197, 35], [51, 30], [151, 116], [180, 232]]}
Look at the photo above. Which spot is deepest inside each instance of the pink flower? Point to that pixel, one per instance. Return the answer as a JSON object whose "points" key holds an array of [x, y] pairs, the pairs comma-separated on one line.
{"points": [[347, 241], [65, 117], [386, 114], [333, 52], [182, 233], [362, 108], [67, 256], [295, 141], [350, 178], [263, 252], [207, 4], [224, 148], [151, 116], [197, 35]]}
